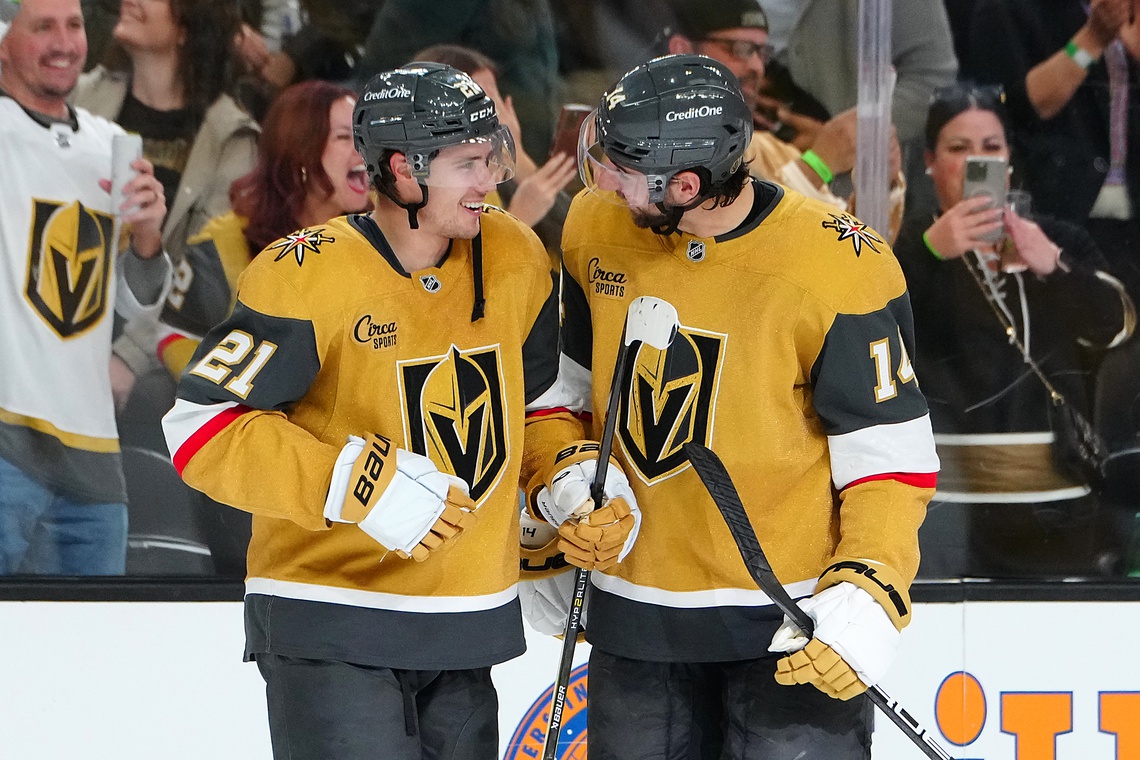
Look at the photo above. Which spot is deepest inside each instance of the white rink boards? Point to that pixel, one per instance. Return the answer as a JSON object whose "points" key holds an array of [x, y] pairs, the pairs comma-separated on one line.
{"points": [[144, 680]]}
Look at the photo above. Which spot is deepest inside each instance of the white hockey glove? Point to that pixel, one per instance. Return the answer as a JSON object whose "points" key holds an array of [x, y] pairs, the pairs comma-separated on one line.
{"points": [[560, 495], [397, 497], [545, 585], [859, 609]]}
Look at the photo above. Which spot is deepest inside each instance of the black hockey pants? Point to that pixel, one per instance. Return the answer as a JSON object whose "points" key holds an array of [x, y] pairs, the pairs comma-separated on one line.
{"points": [[717, 711], [326, 709]]}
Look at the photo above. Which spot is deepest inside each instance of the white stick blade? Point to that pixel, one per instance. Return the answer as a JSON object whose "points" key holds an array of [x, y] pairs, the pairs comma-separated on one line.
{"points": [[652, 321]]}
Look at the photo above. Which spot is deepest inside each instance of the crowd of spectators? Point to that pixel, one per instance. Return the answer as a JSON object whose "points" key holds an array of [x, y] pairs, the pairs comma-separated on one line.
{"points": [[244, 109]]}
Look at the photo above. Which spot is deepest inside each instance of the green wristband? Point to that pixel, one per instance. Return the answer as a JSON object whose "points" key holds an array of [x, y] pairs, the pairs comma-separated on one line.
{"points": [[1080, 56], [930, 248], [816, 163]]}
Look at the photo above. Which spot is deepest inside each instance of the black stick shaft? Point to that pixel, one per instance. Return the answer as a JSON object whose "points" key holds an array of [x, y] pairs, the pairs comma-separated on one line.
{"points": [[582, 576], [565, 664], [716, 480]]}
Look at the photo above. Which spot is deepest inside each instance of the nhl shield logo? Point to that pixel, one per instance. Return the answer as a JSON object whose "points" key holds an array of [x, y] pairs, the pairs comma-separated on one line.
{"points": [[696, 251], [431, 283]]}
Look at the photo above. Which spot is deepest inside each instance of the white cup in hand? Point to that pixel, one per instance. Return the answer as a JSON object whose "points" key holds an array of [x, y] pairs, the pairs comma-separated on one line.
{"points": [[124, 150], [1020, 203]]}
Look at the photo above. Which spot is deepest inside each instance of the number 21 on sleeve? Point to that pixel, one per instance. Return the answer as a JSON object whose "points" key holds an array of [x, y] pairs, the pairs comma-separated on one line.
{"points": [[220, 363]]}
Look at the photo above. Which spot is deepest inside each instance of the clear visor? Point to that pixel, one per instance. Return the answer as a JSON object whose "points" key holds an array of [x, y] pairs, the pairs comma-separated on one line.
{"points": [[602, 176], [483, 162]]}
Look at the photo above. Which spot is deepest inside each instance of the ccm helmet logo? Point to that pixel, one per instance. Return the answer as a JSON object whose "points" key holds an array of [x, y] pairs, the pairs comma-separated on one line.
{"points": [[399, 91], [483, 113], [694, 113]]}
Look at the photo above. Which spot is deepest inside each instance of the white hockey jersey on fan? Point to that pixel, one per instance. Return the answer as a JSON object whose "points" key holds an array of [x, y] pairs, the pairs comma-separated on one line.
{"points": [[58, 283]]}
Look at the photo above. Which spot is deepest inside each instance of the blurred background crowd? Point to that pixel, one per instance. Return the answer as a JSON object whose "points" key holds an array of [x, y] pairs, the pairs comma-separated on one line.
{"points": [[1023, 310]]}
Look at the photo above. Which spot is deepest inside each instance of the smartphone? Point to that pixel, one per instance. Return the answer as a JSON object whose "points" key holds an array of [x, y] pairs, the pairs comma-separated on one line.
{"points": [[570, 120], [987, 175]]}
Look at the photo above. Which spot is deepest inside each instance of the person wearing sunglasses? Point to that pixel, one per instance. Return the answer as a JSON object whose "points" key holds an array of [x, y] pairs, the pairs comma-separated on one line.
{"points": [[804, 151]]}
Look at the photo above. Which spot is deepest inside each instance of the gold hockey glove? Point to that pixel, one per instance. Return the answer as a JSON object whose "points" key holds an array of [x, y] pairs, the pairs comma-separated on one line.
{"points": [[453, 521], [860, 608], [561, 490], [602, 538]]}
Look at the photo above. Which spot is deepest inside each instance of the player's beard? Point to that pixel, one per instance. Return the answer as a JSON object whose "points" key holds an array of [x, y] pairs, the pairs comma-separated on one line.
{"points": [[649, 216]]}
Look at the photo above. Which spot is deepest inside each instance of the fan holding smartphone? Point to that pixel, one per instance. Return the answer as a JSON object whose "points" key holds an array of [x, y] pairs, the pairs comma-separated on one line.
{"points": [[967, 156], [980, 275]]}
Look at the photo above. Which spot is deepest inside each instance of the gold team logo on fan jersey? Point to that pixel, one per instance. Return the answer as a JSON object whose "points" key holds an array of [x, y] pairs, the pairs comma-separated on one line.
{"points": [[668, 401], [69, 265], [455, 414]]}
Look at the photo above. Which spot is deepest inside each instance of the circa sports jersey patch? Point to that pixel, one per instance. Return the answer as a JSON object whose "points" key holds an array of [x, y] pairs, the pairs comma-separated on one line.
{"points": [[605, 282], [301, 242], [69, 265], [455, 414], [669, 400], [852, 229], [371, 330]]}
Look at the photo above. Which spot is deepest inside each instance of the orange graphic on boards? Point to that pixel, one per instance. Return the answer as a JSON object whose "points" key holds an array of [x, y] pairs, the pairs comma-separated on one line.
{"points": [[960, 708], [1120, 715], [1036, 719], [526, 742]]}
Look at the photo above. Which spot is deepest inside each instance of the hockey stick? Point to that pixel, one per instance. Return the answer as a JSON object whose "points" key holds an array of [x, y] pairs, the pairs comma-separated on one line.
{"points": [[716, 479], [651, 321]]}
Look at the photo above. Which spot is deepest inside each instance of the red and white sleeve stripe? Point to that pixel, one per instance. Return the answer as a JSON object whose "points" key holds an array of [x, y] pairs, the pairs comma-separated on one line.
{"points": [[189, 426], [901, 451]]}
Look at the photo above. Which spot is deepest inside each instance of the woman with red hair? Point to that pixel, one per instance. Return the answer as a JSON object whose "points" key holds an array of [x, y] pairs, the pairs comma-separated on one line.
{"points": [[307, 172]]}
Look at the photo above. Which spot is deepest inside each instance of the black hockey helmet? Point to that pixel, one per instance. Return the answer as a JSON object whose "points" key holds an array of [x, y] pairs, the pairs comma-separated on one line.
{"points": [[675, 113], [421, 108]]}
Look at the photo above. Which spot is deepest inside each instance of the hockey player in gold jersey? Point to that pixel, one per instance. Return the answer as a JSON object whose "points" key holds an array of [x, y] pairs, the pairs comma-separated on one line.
{"points": [[791, 363], [382, 571]]}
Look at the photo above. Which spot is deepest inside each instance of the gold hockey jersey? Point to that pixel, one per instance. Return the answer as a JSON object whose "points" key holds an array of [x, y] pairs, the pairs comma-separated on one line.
{"points": [[791, 363], [330, 337]]}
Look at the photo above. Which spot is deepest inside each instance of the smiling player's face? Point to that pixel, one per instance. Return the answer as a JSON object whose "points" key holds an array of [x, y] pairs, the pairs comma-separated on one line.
{"points": [[459, 179]]}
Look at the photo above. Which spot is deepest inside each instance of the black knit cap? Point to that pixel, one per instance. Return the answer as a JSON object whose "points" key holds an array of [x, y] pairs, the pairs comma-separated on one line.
{"points": [[697, 19]]}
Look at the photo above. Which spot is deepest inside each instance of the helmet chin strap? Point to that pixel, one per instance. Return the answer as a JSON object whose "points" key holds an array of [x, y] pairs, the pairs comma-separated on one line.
{"points": [[480, 307], [412, 208], [672, 219], [673, 214]]}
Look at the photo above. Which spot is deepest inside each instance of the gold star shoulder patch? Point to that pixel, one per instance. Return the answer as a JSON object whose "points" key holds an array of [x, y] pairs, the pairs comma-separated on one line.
{"points": [[850, 228], [299, 243]]}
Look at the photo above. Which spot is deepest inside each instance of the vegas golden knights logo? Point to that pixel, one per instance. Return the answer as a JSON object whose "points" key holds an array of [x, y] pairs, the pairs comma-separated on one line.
{"points": [[455, 414], [668, 401], [69, 265]]}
